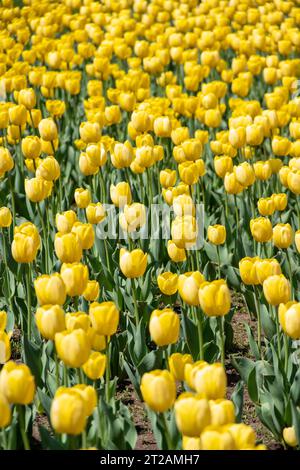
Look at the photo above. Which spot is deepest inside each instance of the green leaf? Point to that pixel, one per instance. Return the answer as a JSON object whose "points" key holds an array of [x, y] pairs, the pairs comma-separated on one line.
{"points": [[252, 342], [49, 442], [33, 354], [296, 420], [45, 401], [238, 400], [244, 366]]}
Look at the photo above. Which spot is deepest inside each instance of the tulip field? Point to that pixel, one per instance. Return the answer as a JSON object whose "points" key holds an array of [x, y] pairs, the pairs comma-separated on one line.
{"points": [[149, 225]]}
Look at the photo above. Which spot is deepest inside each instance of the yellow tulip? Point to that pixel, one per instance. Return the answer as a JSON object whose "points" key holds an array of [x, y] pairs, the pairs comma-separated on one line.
{"points": [[5, 349], [90, 132], [289, 435], [188, 287], [91, 292], [215, 298], [75, 277], [5, 217], [95, 213], [248, 270], [176, 254], [243, 435], [210, 381], [282, 235], [164, 327], [73, 347], [85, 233], [133, 264], [31, 147], [177, 363], [266, 268], [48, 169], [222, 412], [104, 318], [68, 247], [5, 412], [192, 414], [120, 194], [94, 367], [167, 178], [216, 234], [277, 289], [217, 438], [158, 390], [50, 319], [48, 129], [289, 317], [261, 229], [168, 283], [26, 243], [82, 197], [65, 221], [50, 289], [68, 412], [77, 320], [17, 383]]}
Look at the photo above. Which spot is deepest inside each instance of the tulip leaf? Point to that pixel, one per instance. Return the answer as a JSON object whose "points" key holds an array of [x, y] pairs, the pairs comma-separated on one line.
{"points": [[296, 420], [33, 353], [252, 342], [45, 401], [244, 366], [238, 400], [48, 441], [295, 388], [268, 325]]}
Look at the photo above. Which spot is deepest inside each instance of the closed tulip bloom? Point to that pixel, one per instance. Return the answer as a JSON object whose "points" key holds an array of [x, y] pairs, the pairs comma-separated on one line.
{"points": [[6, 160], [248, 270], [140, 121], [191, 443], [192, 414], [50, 319], [263, 170], [48, 129], [85, 233], [162, 126], [210, 381], [177, 363], [164, 327], [277, 289], [297, 240], [282, 235], [261, 229], [90, 132], [290, 437], [237, 137], [31, 147], [91, 292], [293, 181], [3, 320], [176, 254], [73, 347], [17, 115], [266, 268], [222, 412], [27, 98], [281, 146], [5, 412], [266, 206], [48, 169], [254, 134], [133, 263], [244, 174], [37, 189], [77, 320], [17, 383], [68, 247], [120, 194], [216, 438], [5, 349], [188, 172], [213, 118], [215, 298], [50, 289], [68, 412], [133, 217], [5, 217], [183, 205], [98, 342], [216, 234], [231, 184], [280, 201], [184, 231], [243, 435], [168, 283], [26, 243], [82, 197], [95, 213], [97, 154], [122, 155], [190, 371], [158, 390], [188, 287], [65, 221], [167, 178], [75, 277], [289, 318], [283, 175], [223, 164], [104, 317], [94, 367]]}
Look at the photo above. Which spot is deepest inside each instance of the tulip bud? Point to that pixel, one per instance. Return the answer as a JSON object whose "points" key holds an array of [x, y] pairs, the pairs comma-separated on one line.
{"points": [[266, 206], [95, 213], [122, 155], [184, 231], [65, 221], [48, 169], [216, 234], [177, 363], [94, 367], [162, 126], [104, 317], [68, 412], [17, 383], [215, 298], [216, 438], [289, 318], [244, 174], [73, 347], [210, 381], [266, 268], [90, 132], [280, 201], [5, 412], [48, 129], [188, 172], [237, 137], [82, 197], [68, 247], [223, 165], [188, 287], [192, 414], [164, 327], [50, 289], [120, 194], [261, 229], [243, 435], [282, 235], [262, 170], [50, 319], [277, 289], [27, 98], [26, 243], [248, 270], [167, 283], [133, 263], [98, 342], [17, 115], [140, 121], [158, 390], [231, 184], [37, 189], [133, 217], [167, 178], [85, 233], [31, 147], [222, 412], [6, 161], [176, 254], [75, 277], [5, 349], [96, 154], [289, 435], [5, 217], [183, 205], [91, 292]]}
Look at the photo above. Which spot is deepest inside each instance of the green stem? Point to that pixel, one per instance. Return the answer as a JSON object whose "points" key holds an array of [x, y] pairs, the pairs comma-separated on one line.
{"points": [[84, 440], [277, 332], [222, 339], [167, 432], [219, 261], [236, 216], [13, 204], [22, 427], [290, 271], [199, 321], [165, 352], [56, 369], [286, 352], [257, 308], [134, 296], [107, 370], [45, 239], [66, 378], [28, 289]]}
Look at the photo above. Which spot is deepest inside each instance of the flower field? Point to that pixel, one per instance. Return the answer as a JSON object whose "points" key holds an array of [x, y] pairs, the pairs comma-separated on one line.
{"points": [[149, 220]]}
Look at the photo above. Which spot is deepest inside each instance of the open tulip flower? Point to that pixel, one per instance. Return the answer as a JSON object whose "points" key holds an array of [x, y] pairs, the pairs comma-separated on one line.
{"points": [[149, 223]]}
